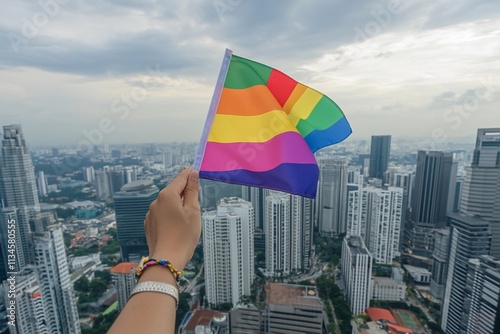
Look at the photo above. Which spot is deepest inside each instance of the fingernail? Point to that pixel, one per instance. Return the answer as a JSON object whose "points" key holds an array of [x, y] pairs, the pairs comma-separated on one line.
{"points": [[194, 175]]}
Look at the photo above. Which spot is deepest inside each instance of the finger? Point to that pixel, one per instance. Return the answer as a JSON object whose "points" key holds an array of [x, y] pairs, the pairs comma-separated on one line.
{"points": [[191, 191], [180, 182]]}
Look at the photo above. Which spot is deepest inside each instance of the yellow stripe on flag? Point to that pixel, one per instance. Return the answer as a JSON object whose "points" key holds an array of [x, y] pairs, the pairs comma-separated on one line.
{"points": [[256, 129], [304, 105]]}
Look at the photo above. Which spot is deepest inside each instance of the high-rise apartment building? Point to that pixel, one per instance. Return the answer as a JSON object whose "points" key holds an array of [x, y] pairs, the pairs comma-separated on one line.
{"points": [[356, 273], [332, 196], [54, 281], [375, 214], [482, 312], [42, 184], [380, 153], [131, 206], [481, 187], [288, 233], [14, 219], [398, 177], [124, 279], [31, 316], [432, 198], [470, 238], [228, 251], [278, 233], [257, 197]]}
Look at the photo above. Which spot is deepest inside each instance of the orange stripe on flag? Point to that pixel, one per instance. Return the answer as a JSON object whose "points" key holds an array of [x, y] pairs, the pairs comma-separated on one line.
{"points": [[252, 101]]}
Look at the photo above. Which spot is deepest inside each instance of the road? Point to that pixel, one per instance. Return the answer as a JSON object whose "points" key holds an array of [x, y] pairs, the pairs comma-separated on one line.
{"points": [[194, 281]]}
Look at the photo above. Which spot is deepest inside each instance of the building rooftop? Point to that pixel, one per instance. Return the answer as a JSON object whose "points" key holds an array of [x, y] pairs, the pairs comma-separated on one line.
{"points": [[123, 268], [377, 314], [200, 317], [357, 246], [137, 185], [286, 294], [385, 281], [416, 270]]}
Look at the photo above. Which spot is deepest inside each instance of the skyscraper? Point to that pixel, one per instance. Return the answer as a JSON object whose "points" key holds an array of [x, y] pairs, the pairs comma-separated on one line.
{"points": [[380, 153], [481, 188], [435, 177], [288, 233], [103, 186], [17, 173], [332, 196], [482, 314], [55, 285], [124, 280], [440, 256], [228, 251], [432, 198], [278, 233], [131, 205], [375, 214], [18, 192], [357, 273], [470, 238]]}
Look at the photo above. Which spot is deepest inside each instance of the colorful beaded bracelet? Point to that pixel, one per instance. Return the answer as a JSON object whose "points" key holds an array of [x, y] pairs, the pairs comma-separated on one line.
{"points": [[148, 262]]}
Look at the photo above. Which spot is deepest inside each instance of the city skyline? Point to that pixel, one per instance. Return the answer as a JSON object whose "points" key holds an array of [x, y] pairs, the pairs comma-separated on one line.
{"points": [[429, 68], [256, 241]]}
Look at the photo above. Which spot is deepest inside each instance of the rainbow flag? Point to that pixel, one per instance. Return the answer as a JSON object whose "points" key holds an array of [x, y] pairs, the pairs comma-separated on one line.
{"points": [[263, 128]]}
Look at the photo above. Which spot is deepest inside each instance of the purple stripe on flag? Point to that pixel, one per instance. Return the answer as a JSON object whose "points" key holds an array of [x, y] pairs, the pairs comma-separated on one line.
{"points": [[288, 147], [298, 179]]}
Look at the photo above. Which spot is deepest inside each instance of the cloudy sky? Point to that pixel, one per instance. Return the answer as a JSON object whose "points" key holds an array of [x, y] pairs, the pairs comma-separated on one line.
{"points": [[144, 70]]}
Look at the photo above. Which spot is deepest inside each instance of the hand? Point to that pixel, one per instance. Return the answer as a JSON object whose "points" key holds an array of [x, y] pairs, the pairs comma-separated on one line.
{"points": [[173, 223]]}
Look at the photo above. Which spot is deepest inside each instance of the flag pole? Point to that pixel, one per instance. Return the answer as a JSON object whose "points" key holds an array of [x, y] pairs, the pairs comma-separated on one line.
{"points": [[213, 109]]}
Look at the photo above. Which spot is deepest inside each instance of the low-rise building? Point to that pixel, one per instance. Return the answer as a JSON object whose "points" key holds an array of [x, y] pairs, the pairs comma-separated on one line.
{"points": [[418, 274], [385, 288]]}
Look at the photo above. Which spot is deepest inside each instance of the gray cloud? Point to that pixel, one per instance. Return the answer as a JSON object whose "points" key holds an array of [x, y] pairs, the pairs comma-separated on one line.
{"points": [[375, 63]]}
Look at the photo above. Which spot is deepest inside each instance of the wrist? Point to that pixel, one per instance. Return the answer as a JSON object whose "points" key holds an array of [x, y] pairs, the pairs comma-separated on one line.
{"points": [[178, 262], [157, 274]]}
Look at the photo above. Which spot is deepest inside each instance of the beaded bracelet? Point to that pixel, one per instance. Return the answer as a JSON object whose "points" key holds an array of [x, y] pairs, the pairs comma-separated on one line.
{"points": [[148, 262]]}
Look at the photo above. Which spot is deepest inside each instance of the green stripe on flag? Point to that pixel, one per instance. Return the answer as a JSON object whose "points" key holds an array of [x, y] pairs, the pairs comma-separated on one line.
{"points": [[244, 73]]}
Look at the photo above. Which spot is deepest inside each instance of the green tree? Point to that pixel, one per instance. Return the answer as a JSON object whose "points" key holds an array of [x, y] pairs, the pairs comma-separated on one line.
{"points": [[67, 239], [182, 309], [82, 284]]}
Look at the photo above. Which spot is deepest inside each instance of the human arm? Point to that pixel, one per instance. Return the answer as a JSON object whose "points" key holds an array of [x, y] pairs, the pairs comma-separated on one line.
{"points": [[173, 228]]}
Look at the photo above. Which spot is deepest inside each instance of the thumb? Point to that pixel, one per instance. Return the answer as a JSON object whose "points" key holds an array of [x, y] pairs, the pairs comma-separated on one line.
{"points": [[191, 191]]}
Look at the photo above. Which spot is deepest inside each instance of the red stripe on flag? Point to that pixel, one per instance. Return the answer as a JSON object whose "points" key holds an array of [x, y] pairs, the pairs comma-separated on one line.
{"points": [[281, 86]]}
